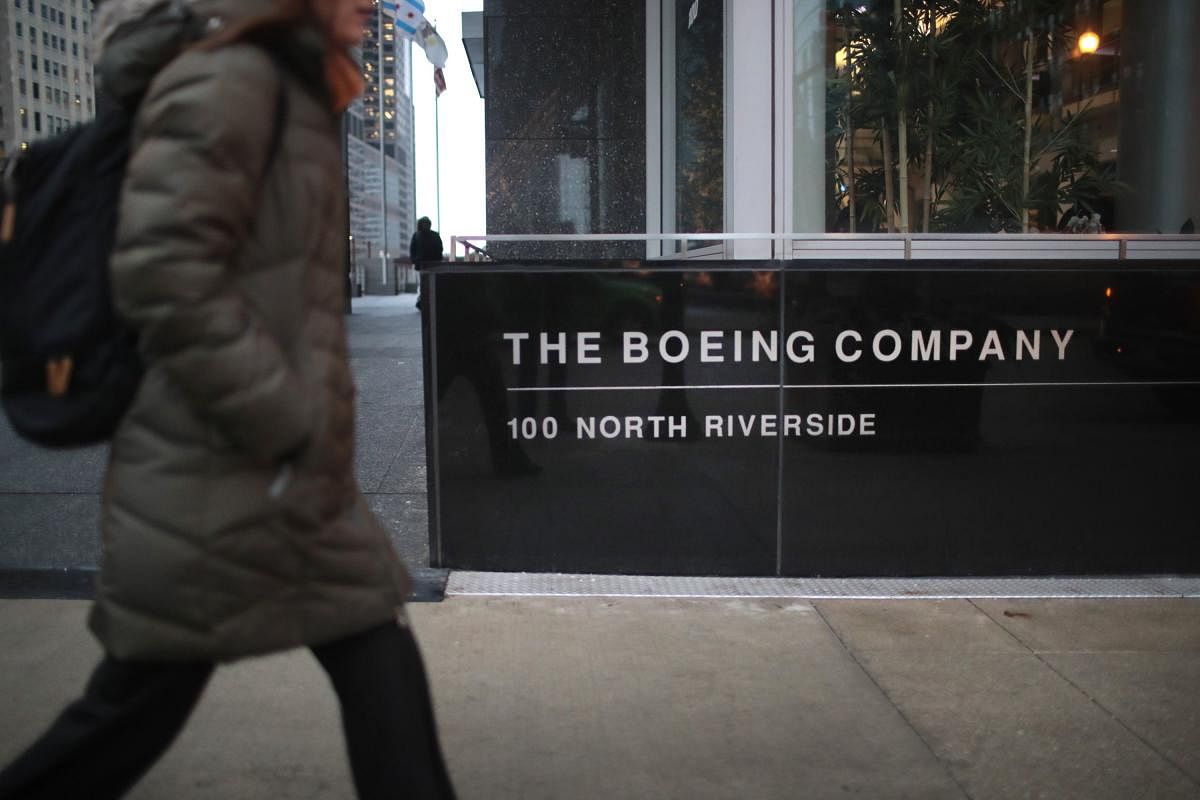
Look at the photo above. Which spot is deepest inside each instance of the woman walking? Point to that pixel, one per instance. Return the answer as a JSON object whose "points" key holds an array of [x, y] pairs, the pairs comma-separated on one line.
{"points": [[232, 522]]}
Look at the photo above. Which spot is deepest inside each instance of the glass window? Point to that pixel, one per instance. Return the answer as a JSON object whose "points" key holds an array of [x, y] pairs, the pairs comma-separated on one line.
{"points": [[699, 118], [690, 183], [988, 116]]}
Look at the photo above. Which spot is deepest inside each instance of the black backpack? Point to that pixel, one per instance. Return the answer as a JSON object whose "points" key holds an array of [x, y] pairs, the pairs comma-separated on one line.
{"points": [[69, 366]]}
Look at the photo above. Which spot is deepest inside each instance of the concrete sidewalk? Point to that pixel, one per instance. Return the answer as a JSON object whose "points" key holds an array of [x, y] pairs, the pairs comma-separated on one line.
{"points": [[669, 698]]}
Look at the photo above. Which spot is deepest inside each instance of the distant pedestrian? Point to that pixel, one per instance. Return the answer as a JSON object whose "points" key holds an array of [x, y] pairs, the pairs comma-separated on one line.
{"points": [[426, 244], [425, 247], [232, 521]]}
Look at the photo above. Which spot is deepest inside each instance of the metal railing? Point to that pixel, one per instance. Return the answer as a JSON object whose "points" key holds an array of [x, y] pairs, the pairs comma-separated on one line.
{"points": [[892, 246]]}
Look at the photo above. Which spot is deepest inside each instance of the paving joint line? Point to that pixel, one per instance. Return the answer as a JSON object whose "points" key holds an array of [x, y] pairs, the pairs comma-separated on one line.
{"points": [[1090, 697], [945, 765], [392, 464]]}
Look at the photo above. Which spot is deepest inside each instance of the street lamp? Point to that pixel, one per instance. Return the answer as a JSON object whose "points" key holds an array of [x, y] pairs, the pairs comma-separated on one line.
{"points": [[1089, 43]]}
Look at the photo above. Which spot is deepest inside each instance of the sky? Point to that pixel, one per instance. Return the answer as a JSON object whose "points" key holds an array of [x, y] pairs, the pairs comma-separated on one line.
{"points": [[459, 121]]}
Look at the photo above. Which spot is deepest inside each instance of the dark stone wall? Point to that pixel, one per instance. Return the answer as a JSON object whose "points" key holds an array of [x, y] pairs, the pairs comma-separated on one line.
{"points": [[566, 122], [1077, 460]]}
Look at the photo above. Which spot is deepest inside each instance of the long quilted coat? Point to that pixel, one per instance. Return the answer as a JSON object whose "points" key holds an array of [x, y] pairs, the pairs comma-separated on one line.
{"points": [[232, 521]]}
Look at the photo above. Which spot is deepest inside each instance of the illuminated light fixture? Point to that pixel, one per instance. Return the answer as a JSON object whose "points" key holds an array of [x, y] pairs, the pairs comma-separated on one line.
{"points": [[1108, 292], [1089, 42]]}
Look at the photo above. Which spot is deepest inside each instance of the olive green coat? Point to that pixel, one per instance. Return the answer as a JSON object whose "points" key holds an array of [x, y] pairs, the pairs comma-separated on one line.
{"points": [[232, 520]]}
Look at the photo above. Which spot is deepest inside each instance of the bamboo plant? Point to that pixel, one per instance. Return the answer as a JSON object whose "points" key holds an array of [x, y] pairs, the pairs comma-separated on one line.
{"points": [[964, 79]]}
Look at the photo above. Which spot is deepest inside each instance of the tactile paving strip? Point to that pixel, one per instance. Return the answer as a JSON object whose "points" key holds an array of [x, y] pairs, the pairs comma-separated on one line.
{"points": [[515, 584]]}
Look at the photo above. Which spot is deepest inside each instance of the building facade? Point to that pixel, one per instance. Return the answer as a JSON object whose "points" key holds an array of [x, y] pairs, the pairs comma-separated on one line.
{"points": [[840, 116], [379, 154], [46, 62]]}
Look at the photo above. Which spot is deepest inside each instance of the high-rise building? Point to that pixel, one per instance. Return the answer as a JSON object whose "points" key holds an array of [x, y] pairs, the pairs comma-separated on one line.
{"points": [[46, 78], [379, 150]]}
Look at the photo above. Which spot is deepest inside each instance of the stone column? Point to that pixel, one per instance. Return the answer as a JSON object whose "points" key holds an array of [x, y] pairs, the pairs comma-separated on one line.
{"points": [[1159, 155]]}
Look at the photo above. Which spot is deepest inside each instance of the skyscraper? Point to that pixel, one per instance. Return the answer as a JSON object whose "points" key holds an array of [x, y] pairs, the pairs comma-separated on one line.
{"points": [[46, 78], [380, 151]]}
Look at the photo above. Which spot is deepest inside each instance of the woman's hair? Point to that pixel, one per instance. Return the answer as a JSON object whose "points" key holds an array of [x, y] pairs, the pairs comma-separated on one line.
{"points": [[285, 14]]}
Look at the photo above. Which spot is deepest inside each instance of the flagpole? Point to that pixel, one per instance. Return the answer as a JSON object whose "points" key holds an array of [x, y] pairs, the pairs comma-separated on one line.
{"points": [[382, 148], [437, 151]]}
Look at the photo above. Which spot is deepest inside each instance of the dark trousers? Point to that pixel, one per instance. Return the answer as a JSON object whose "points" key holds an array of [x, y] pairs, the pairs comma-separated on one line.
{"points": [[131, 711]]}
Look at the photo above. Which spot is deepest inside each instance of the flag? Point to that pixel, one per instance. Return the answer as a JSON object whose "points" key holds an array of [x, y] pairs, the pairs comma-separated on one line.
{"points": [[409, 16]]}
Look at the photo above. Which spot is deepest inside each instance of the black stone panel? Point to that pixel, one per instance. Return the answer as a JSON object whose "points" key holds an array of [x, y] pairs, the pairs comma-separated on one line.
{"points": [[559, 78], [532, 190], [1074, 458], [997, 477], [542, 78], [566, 124], [634, 504], [621, 198]]}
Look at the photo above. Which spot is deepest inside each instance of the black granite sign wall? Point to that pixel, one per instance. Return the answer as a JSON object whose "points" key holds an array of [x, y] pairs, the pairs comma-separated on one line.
{"points": [[814, 419]]}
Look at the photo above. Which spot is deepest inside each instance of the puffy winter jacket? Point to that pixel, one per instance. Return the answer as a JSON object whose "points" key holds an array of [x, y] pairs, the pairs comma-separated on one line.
{"points": [[232, 521]]}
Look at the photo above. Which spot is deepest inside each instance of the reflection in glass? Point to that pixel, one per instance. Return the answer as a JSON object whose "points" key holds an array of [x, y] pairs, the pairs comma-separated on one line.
{"points": [[989, 116], [699, 117]]}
